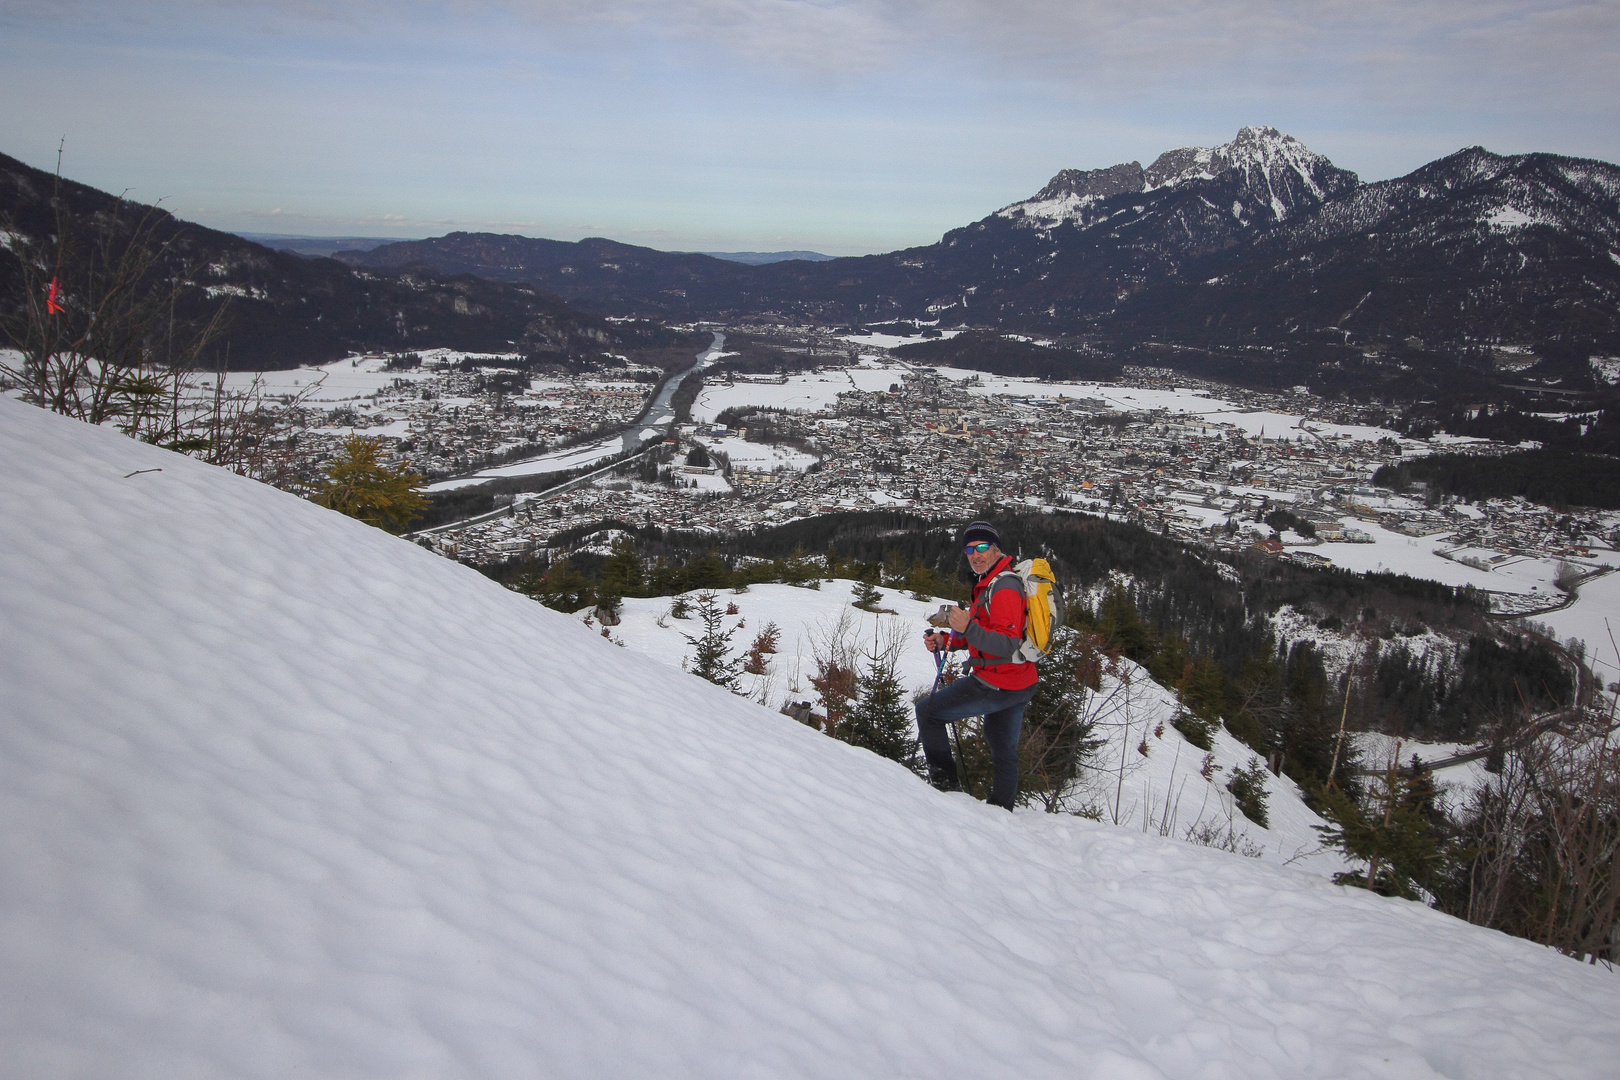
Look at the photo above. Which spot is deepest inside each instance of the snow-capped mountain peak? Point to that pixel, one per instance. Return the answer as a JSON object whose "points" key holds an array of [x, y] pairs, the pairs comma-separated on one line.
{"points": [[1261, 149], [1071, 192], [1275, 170]]}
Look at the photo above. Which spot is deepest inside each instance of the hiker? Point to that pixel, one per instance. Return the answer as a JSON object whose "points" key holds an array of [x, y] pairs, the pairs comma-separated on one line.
{"points": [[991, 629]]}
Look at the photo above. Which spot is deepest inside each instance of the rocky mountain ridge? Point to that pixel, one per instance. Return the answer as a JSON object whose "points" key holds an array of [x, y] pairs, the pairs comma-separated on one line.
{"points": [[1477, 249], [1259, 243], [1277, 170]]}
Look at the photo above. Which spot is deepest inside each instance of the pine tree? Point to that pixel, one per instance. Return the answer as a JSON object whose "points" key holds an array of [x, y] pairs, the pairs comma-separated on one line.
{"points": [[1393, 834], [1248, 788], [866, 595], [622, 572], [765, 642], [562, 587], [711, 655], [1057, 733], [1312, 733], [1198, 690], [975, 770], [921, 581], [360, 485], [881, 718], [1123, 629]]}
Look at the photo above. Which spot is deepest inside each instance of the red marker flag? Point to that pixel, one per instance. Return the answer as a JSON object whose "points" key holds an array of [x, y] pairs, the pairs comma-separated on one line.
{"points": [[51, 306]]}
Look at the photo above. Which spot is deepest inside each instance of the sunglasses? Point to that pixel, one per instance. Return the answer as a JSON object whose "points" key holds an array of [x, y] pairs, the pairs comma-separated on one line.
{"points": [[979, 548]]}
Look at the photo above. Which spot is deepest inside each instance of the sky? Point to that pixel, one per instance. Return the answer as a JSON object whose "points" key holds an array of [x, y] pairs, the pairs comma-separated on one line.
{"points": [[843, 126]]}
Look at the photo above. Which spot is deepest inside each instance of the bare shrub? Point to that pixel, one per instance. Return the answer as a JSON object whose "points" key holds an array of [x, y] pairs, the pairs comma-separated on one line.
{"points": [[836, 657], [99, 328], [1544, 834], [1222, 835]]}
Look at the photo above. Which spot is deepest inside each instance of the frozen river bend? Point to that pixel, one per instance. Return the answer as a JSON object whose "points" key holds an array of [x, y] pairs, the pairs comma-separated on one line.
{"points": [[286, 796]]}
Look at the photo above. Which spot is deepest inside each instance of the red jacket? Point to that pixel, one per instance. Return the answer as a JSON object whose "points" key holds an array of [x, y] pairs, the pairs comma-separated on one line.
{"points": [[997, 629]]}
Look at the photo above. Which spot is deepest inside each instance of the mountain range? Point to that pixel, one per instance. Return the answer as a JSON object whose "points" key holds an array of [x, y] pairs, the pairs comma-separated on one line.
{"points": [[760, 258], [1257, 241], [1259, 245], [285, 309]]}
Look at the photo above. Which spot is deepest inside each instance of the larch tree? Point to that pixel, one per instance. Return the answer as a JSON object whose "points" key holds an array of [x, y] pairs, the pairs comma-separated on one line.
{"points": [[360, 484]]}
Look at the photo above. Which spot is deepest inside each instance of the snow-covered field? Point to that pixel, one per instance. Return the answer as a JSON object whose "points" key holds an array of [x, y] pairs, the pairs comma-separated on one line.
{"points": [[556, 461], [349, 379], [287, 796], [818, 390], [1594, 619], [810, 392], [1396, 553], [759, 456], [891, 341]]}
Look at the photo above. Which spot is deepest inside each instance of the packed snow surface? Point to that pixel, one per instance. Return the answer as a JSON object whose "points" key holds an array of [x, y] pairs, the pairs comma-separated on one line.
{"points": [[287, 796]]}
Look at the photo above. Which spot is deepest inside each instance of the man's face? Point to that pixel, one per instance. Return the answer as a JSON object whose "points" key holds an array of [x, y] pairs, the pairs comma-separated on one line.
{"points": [[981, 561]]}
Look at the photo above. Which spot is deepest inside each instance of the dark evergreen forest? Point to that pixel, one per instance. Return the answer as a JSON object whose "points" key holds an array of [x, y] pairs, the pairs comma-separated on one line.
{"points": [[1009, 356], [1557, 478]]}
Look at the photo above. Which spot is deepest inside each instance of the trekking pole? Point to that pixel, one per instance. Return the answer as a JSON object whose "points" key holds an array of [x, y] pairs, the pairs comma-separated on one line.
{"points": [[939, 673], [956, 732], [961, 762]]}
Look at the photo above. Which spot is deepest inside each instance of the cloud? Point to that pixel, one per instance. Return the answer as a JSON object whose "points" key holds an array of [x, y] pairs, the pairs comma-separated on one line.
{"points": [[1403, 52], [1516, 53], [854, 122]]}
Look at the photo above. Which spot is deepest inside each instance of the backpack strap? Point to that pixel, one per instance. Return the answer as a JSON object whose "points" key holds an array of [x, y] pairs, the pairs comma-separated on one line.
{"points": [[999, 582]]}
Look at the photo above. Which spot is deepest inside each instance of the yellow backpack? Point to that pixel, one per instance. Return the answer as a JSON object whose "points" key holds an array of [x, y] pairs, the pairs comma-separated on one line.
{"points": [[1043, 606]]}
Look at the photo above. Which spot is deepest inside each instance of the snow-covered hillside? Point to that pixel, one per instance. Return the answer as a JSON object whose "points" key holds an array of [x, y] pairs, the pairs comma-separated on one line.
{"points": [[286, 796], [1146, 776]]}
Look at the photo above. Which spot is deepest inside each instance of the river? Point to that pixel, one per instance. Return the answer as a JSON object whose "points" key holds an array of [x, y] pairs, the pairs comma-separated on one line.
{"points": [[661, 416]]}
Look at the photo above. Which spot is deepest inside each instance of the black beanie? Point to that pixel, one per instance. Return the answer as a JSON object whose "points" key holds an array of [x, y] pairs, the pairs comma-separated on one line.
{"points": [[981, 530]]}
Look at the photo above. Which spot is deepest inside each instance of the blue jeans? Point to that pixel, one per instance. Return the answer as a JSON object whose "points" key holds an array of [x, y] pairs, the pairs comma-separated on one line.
{"points": [[1003, 712]]}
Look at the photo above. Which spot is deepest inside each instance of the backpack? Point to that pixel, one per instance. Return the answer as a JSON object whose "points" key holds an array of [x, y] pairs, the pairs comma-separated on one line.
{"points": [[1044, 609]]}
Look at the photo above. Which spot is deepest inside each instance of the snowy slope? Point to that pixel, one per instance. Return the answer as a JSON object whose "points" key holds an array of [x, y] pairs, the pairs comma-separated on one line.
{"points": [[285, 796], [1164, 790]]}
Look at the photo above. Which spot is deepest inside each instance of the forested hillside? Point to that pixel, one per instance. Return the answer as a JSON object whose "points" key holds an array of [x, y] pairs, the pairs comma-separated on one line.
{"points": [[1557, 478], [279, 310]]}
